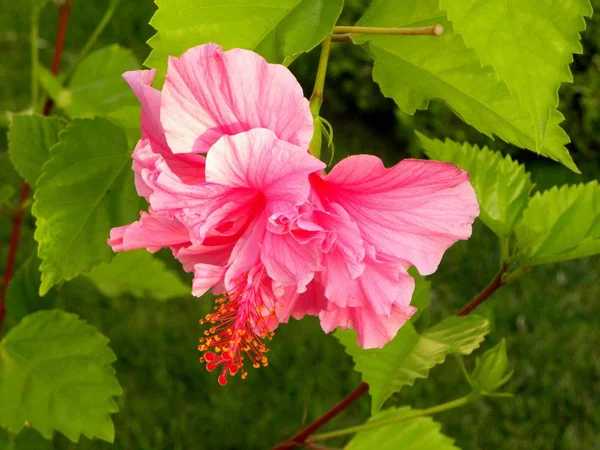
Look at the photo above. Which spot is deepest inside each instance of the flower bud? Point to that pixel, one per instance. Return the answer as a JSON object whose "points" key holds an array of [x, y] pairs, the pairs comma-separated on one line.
{"points": [[490, 370]]}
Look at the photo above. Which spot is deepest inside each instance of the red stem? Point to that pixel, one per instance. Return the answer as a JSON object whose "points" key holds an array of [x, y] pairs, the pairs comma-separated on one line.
{"points": [[63, 21], [486, 293], [65, 11], [299, 439]]}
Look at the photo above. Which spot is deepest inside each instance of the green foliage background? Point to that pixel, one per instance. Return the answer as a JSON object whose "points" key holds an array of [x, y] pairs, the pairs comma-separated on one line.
{"points": [[551, 318]]}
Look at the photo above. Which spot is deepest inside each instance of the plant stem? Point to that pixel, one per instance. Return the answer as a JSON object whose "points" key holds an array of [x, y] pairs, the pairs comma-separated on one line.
{"points": [[434, 30], [487, 291], [316, 99], [63, 21], [299, 439], [65, 11], [104, 21], [381, 423]]}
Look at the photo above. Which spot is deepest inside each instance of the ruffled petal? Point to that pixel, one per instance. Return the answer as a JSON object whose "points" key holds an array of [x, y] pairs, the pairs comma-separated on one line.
{"points": [[257, 160], [372, 330], [152, 232], [209, 93], [413, 211], [289, 262], [189, 168]]}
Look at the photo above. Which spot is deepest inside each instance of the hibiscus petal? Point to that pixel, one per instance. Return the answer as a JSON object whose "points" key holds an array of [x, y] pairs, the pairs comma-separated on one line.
{"points": [[289, 262], [372, 330], [413, 211], [257, 160], [205, 277], [152, 232], [189, 168], [209, 93]]}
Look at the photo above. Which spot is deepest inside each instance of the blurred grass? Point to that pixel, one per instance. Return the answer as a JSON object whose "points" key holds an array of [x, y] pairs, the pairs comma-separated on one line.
{"points": [[551, 318]]}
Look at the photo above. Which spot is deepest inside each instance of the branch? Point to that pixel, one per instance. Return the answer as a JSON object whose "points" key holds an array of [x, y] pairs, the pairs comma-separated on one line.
{"points": [[434, 30], [486, 293], [299, 439], [65, 11]]}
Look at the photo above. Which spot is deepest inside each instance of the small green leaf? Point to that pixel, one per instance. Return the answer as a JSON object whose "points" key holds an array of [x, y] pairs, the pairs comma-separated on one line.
{"points": [[29, 141], [560, 224], [140, 274], [410, 356], [538, 39], [415, 71], [128, 118], [501, 184], [277, 30], [56, 374], [86, 188], [97, 86], [419, 433], [22, 297], [7, 193], [490, 370]]}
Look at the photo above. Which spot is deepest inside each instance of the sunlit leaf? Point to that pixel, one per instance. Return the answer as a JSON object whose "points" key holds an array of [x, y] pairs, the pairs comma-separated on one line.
{"points": [[410, 355], [529, 43], [86, 188], [559, 224], [56, 374], [29, 141], [276, 30], [415, 70], [501, 184], [419, 433], [138, 273]]}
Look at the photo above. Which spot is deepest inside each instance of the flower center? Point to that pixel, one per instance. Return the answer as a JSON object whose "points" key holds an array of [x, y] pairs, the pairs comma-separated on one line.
{"points": [[240, 323]]}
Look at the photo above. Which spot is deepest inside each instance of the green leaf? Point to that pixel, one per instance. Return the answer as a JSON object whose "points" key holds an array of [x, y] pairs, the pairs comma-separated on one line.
{"points": [[415, 70], [97, 86], [560, 224], [128, 118], [276, 30], [501, 184], [27, 439], [22, 297], [140, 274], [420, 298], [529, 43], [410, 356], [419, 433], [56, 374], [86, 188], [7, 193], [29, 141]]}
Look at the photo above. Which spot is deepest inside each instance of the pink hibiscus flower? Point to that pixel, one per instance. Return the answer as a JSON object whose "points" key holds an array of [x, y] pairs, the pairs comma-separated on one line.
{"points": [[234, 193]]}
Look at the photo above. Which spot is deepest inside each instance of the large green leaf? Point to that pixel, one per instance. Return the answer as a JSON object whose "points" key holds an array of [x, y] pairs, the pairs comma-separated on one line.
{"points": [[410, 355], [86, 188], [530, 44], [277, 30], [416, 69], [140, 274], [22, 297], [560, 224], [501, 184], [419, 433], [56, 374], [97, 86], [29, 140]]}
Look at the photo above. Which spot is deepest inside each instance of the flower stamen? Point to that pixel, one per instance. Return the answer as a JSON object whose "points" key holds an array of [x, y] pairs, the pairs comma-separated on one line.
{"points": [[237, 332]]}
